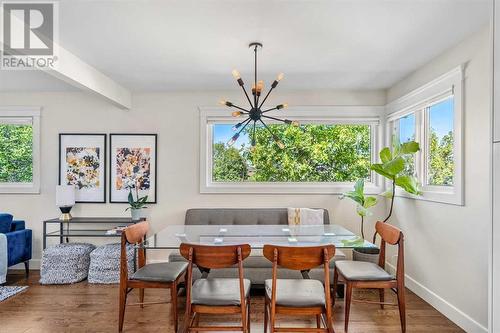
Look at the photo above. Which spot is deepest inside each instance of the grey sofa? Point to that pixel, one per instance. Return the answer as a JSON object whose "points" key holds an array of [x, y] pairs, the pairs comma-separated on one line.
{"points": [[256, 267]]}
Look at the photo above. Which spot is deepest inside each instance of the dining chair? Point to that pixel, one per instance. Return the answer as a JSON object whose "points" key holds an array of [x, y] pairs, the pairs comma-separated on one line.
{"points": [[359, 274], [299, 296], [217, 295], [161, 275]]}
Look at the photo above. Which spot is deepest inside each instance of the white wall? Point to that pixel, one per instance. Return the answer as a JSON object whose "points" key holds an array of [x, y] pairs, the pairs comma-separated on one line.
{"points": [[175, 117], [446, 245]]}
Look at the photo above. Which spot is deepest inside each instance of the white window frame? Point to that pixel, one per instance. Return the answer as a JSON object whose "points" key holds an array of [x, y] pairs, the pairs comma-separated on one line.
{"points": [[417, 102], [32, 114], [370, 115]]}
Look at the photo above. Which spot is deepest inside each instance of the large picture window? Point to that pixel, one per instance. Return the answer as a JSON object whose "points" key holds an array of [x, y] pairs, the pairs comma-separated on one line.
{"points": [[432, 116], [19, 150], [326, 154]]}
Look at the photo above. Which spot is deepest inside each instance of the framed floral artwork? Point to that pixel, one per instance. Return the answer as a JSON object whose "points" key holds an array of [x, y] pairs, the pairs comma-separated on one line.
{"points": [[133, 166], [82, 163]]}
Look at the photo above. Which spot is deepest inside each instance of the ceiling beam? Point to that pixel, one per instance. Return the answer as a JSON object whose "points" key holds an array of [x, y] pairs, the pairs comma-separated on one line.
{"points": [[74, 71]]}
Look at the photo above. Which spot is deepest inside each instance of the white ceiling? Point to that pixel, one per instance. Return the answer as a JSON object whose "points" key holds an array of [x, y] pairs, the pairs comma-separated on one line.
{"points": [[318, 44]]}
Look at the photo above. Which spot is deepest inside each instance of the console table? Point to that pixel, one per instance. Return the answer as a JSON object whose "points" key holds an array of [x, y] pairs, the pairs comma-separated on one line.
{"points": [[88, 227]]}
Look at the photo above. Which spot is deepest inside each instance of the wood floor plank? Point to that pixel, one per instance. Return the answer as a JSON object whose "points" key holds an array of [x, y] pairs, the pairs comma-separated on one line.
{"points": [[85, 307]]}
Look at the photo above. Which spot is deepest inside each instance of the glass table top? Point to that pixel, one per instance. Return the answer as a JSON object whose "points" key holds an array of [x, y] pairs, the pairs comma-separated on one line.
{"points": [[255, 235]]}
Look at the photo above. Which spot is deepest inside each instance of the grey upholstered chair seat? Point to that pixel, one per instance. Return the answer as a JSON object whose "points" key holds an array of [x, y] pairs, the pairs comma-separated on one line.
{"points": [[161, 272], [297, 293], [362, 271], [218, 291]]}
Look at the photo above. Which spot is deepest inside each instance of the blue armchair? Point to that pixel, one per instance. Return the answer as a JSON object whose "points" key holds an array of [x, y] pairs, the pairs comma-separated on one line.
{"points": [[19, 241]]}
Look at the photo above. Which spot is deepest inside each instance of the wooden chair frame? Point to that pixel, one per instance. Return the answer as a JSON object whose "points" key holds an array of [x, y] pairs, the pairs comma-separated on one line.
{"points": [[393, 236], [207, 257], [135, 235], [303, 259]]}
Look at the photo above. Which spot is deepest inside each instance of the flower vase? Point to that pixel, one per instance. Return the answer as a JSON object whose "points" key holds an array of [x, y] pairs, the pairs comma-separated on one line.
{"points": [[136, 214]]}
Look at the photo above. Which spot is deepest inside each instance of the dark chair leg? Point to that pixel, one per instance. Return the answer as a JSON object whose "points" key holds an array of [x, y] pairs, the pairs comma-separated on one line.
{"points": [[335, 285], [266, 314], [173, 296], [381, 296], [347, 300], [318, 321], [123, 303], [402, 308], [141, 297], [27, 268]]}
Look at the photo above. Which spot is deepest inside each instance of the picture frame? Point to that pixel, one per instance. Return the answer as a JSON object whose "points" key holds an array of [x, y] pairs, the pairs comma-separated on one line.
{"points": [[133, 162], [83, 163]]}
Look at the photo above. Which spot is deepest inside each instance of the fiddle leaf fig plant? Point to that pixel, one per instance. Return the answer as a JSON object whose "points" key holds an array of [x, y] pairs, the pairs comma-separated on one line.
{"points": [[393, 165], [363, 203]]}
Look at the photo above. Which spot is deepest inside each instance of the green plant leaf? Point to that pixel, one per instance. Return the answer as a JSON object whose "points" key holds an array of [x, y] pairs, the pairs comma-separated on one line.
{"points": [[409, 184], [410, 147], [379, 168], [358, 241], [353, 196], [130, 198], [396, 146], [362, 211], [386, 194], [370, 202], [394, 166], [385, 155], [359, 186]]}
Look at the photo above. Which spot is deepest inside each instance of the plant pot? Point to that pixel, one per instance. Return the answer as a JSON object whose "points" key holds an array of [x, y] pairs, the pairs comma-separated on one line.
{"points": [[136, 214], [366, 254]]}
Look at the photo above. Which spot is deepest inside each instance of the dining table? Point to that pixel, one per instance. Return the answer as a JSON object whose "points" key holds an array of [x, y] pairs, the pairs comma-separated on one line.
{"points": [[171, 236]]}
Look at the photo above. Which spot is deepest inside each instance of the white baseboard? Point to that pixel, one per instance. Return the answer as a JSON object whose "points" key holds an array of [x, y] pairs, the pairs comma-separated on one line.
{"points": [[446, 308]]}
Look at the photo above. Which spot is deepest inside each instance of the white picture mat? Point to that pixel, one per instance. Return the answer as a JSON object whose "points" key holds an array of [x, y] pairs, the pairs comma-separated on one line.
{"points": [[132, 141], [85, 141]]}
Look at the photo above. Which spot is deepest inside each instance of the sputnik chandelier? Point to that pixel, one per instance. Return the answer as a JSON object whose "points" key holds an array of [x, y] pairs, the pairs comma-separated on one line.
{"points": [[256, 113]]}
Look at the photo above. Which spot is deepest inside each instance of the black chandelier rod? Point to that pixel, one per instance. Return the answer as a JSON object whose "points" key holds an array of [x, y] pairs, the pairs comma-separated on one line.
{"points": [[245, 125], [255, 98], [246, 94], [277, 119], [275, 138], [253, 135], [240, 108]]}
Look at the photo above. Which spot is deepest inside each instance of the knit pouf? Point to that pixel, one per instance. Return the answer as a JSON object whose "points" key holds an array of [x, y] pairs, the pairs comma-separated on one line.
{"points": [[105, 263], [65, 263]]}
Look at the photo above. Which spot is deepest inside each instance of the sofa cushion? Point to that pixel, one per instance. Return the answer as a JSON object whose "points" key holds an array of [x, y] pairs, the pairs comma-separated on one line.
{"points": [[5, 223], [240, 216], [218, 291], [17, 225], [297, 293]]}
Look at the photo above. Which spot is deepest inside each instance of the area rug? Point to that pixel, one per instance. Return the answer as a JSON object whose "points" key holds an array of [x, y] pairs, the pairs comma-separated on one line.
{"points": [[9, 291]]}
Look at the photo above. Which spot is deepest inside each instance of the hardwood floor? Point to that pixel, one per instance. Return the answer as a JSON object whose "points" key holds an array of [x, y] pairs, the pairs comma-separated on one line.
{"points": [[94, 308]]}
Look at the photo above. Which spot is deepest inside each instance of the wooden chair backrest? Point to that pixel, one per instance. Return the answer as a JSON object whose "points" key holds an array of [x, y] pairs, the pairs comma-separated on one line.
{"points": [[135, 233], [393, 236], [299, 258], [210, 256], [389, 233]]}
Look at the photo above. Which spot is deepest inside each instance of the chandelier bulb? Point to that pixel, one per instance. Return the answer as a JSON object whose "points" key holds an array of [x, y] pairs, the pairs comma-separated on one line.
{"points": [[295, 123], [236, 114], [280, 144], [233, 139], [225, 103], [281, 106], [280, 77], [235, 127], [236, 74]]}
